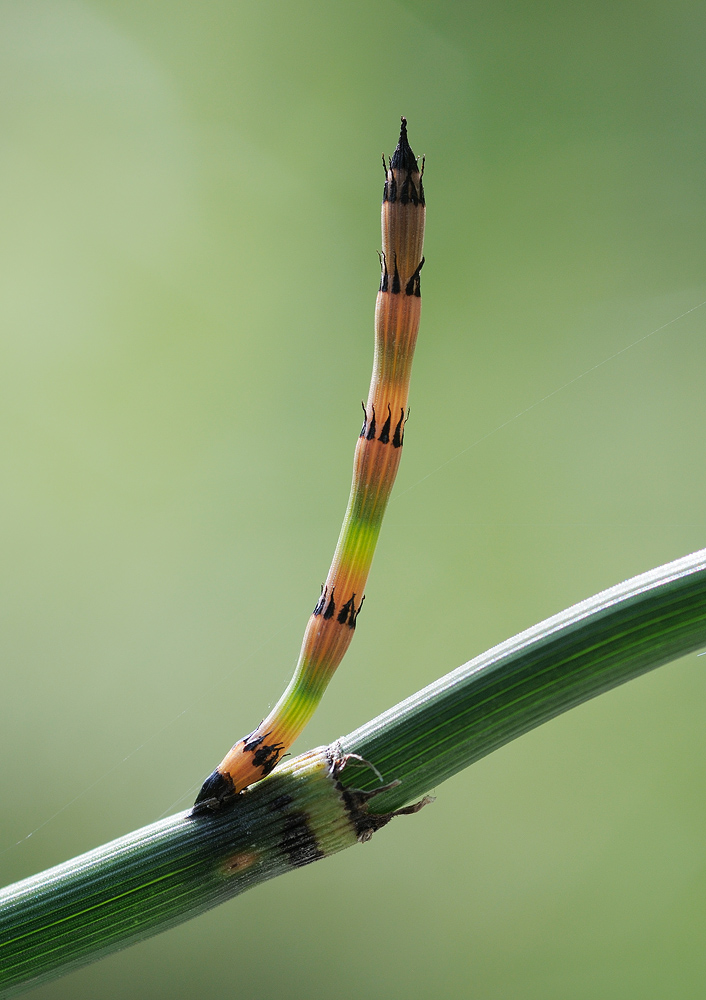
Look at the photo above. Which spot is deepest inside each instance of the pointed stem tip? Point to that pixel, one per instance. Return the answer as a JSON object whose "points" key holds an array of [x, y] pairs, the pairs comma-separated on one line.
{"points": [[403, 158]]}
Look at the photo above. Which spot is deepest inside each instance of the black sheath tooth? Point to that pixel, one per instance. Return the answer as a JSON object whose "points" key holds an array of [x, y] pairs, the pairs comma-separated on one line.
{"points": [[396, 280], [390, 191], [331, 608], [252, 742], [399, 431], [371, 429], [404, 192], [384, 275], [321, 603], [267, 757], [408, 192], [346, 611], [385, 432], [413, 286], [354, 614], [365, 421]]}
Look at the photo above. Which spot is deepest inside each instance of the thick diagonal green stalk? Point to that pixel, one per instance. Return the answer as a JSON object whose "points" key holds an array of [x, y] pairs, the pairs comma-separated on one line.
{"points": [[310, 808], [589, 648]]}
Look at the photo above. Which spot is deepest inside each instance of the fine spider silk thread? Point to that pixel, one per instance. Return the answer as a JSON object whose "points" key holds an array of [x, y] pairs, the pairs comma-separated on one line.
{"points": [[377, 457]]}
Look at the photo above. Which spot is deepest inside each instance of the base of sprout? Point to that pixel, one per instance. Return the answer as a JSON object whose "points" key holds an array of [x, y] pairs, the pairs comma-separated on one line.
{"points": [[216, 792]]}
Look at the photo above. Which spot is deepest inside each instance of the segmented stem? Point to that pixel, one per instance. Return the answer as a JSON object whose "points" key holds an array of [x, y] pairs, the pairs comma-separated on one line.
{"points": [[377, 456]]}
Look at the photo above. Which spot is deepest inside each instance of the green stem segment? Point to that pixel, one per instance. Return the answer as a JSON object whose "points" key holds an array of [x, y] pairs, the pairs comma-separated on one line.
{"points": [[170, 871]]}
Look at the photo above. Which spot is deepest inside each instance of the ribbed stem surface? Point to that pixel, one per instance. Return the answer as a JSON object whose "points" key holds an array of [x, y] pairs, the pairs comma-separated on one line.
{"points": [[174, 869], [168, 872], [508, 690]]}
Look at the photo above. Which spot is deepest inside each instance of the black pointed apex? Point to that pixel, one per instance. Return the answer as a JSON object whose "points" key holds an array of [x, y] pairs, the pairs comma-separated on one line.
{"points": [[216, 791], [403, 158]]}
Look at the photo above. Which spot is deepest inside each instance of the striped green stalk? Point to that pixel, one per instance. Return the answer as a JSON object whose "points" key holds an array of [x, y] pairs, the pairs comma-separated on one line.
{"points": [[512, 688], [315, 805], [377, 457], [155, 877]]}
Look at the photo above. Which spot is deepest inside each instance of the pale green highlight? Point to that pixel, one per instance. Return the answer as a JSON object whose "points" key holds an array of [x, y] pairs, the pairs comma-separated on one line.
{"points": [[358, 545]]}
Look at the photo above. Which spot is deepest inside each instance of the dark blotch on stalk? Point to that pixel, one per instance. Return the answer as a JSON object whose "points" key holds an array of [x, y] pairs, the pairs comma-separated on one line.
{"points": [[298, 842], [396, 281], [280, 803]]}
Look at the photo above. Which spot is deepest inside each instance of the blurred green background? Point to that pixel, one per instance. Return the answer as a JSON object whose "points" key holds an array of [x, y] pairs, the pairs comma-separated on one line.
{"points": [[190, 218]]}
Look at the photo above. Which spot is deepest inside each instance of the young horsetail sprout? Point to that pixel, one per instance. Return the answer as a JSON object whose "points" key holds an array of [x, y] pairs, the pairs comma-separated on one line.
{"points": [[377, 457]]}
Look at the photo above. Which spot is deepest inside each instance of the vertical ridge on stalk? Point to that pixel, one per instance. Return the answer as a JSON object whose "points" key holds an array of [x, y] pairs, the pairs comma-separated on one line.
{"points": [[330, 629]]}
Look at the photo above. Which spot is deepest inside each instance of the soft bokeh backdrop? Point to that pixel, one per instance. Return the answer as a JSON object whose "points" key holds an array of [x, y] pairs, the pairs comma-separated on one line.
{"points": [[190, 215]]}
